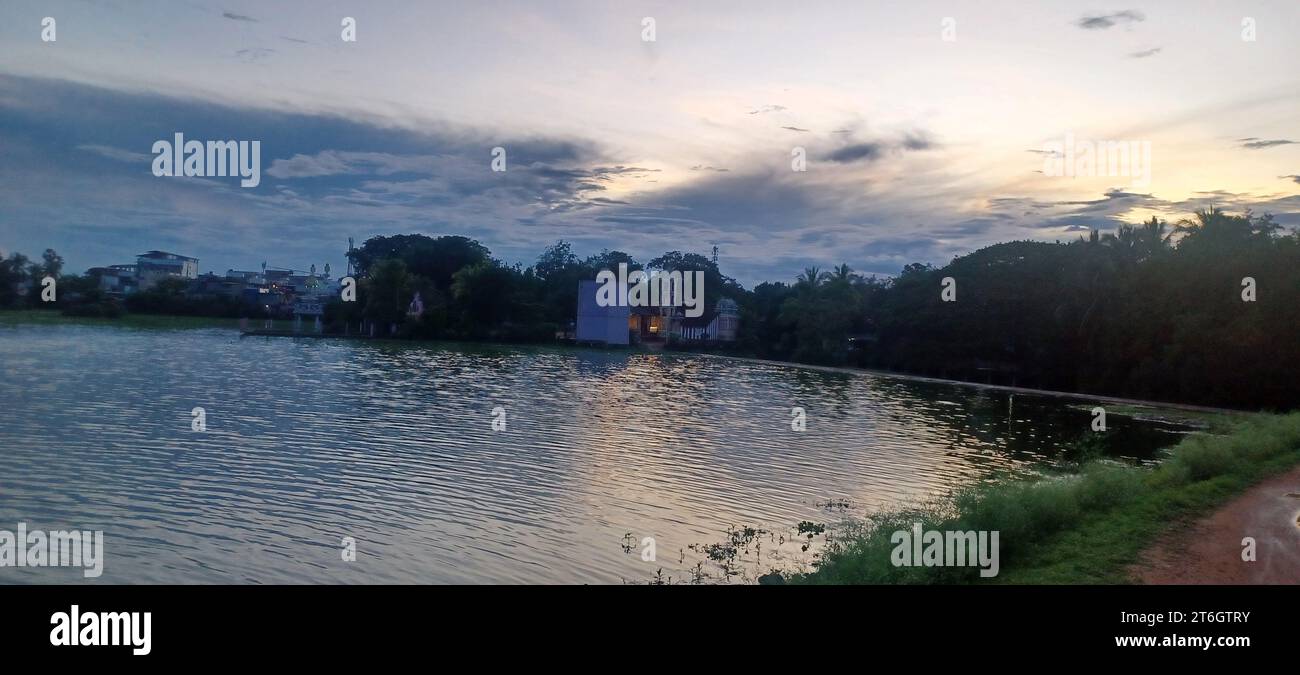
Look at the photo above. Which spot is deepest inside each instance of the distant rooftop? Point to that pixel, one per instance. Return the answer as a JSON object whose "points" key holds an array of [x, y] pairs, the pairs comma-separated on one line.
{"points": [[164, 255]]}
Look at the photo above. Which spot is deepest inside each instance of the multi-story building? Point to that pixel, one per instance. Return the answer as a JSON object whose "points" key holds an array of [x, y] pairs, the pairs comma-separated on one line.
{"points": [[154, 266], [115, 278]]}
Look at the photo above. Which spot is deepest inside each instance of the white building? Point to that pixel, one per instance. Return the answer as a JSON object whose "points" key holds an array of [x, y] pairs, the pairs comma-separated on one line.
{"points": [[600, 324]]}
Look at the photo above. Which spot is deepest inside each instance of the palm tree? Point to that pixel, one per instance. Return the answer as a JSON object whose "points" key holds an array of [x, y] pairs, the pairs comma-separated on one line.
{"points": [[811, 278], [1206, 219], [1214, 225], [1096, 237], [1156, 234], [1128, 239], [843, 274]]}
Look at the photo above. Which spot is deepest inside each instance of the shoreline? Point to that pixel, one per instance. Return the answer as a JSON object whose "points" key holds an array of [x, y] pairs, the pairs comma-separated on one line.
{"points": [[1189, 407], [51, 317], [1180, 521]]}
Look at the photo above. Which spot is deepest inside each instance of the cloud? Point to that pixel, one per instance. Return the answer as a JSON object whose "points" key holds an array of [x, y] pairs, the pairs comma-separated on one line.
{"points": [[238, 17], [116, 153], [767, 109], [254, 54], [330, 177], [1145, 53], [1253, 143], [1108, 212], [917, 141], [1105, 21], [1294, 177], [338, 162], [857, 151], [873, 150], [796, 129]]}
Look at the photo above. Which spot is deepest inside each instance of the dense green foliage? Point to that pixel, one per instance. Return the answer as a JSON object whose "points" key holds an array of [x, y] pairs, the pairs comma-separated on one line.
{"points": [[18, 272], [467, 294], [169, 296], [1081, 528], [1147, 312]]}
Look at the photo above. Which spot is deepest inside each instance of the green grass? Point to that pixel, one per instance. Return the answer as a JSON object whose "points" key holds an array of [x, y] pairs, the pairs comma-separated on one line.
{"points": [[1081, 528], [51, 317], [1216, 421]]}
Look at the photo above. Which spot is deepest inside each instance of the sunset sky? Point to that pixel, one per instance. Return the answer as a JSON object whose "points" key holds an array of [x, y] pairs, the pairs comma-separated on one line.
{"points": [[918, 148]]}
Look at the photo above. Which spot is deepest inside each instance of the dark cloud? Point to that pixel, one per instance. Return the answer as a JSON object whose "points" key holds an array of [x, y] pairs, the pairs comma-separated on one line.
{"points": [[1105, 21], [971, 226], [645, 220], [765, 200], [74, 166], [1145, 53], [1105, 213], [1285, 209], [608, 172], [917, 141], [873, 150], [856, 152], [76, 174], [1253, 143]]}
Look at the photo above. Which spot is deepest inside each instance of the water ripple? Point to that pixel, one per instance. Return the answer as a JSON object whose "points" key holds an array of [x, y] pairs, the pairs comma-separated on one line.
{"points": [[308, 442]]}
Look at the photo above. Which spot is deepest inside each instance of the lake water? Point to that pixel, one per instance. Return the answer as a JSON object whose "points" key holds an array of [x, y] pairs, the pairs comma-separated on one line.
{"points": [[391, 444]]}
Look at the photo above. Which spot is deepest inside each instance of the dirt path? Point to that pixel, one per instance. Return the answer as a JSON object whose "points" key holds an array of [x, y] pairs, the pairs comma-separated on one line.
{"points": [[1209, 551]]}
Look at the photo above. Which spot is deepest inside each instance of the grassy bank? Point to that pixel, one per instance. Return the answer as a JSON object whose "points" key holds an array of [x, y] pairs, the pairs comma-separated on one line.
{"points": [[1081, 528], [49, 317]]}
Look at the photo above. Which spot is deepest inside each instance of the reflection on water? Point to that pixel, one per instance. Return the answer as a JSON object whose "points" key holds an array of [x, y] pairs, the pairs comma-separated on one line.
{"points": [[310, 441]]}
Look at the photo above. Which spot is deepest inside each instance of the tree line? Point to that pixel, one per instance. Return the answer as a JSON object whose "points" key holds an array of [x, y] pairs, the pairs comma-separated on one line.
{"points": [[1205, 311], [469, 295]]}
